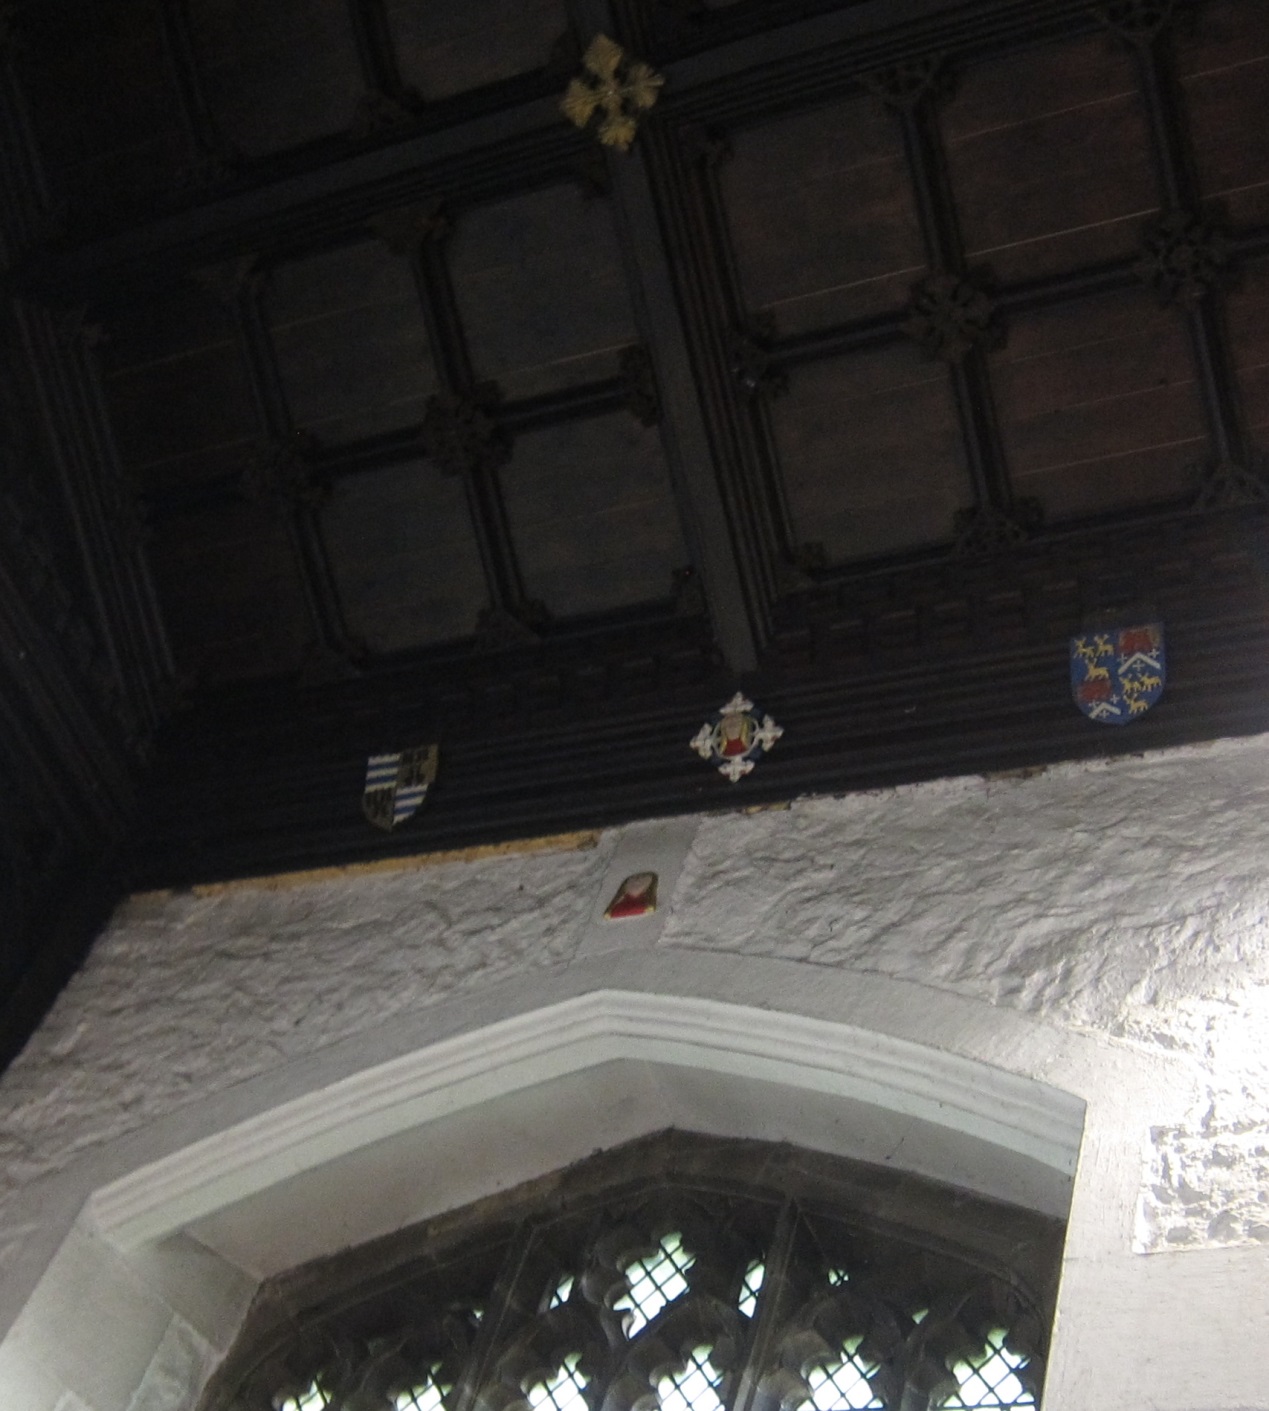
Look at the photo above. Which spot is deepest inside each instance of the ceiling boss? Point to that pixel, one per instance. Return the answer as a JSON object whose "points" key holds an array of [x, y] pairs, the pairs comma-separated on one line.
{"points": [[616, 88], [736, 738]]}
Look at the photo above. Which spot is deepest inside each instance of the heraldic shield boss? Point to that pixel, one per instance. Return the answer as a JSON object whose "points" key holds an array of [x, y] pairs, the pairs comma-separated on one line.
{"points": [[736, 738], [397, 784], [1118, 674]]}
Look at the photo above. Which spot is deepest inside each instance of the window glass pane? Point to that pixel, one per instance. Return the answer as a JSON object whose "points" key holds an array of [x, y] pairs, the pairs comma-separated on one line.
{"points": [[845, 1383], [429, 1396], [751, 1286], [314, 1399], [990, 1380], [654, 1282], [564, 1391], [695, 1388]]}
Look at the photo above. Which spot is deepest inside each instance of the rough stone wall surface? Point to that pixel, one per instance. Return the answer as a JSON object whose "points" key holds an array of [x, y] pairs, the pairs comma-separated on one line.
{"points": [[187, 994], [1127, 898]]}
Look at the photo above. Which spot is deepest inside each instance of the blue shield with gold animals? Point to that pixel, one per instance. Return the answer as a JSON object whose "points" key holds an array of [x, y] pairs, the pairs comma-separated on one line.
{"points": [[1118, 673]]}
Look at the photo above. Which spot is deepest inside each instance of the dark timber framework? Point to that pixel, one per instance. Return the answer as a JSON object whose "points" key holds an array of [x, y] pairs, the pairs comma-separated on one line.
{"points": [[940, 660]]}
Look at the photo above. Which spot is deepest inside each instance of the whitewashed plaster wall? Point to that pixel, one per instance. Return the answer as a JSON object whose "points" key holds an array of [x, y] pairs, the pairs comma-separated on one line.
{"points": [[1100, 928]]}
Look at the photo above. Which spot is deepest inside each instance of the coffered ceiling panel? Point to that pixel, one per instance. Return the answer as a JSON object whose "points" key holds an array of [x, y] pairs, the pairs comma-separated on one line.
{"points": [[871, 452], [821, 215], [1049, 155], [777, 394], [447, 49], [1099, 406], [228, 581], [177, 390], [1223, 61], [592, 515], [351, 343], [1248, 312], [404, 557], [280, 73], [105, 109], [542, 290]]}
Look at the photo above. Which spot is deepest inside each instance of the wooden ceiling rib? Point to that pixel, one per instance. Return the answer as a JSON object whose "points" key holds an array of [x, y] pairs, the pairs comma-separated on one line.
{"points": [[909, 335]]}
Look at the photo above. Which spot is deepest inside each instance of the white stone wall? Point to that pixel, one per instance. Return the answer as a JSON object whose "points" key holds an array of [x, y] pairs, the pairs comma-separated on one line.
{"points": [[1129, 898], [188, 994], [1103, 928]]}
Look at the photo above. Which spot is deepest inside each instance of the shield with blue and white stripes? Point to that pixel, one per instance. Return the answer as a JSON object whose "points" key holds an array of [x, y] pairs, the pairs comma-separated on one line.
{"points": [[396, 784]]}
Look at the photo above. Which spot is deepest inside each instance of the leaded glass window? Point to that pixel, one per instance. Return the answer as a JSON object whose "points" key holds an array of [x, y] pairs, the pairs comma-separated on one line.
{"points": [[678, 1274]]}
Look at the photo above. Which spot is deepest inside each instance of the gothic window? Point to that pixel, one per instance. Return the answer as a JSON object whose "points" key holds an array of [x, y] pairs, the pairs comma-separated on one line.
{"points": [[675, 1274]]}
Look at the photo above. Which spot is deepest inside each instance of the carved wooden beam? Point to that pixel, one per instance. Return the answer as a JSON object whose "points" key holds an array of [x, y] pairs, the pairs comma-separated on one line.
{"points": [[1184, 255]]}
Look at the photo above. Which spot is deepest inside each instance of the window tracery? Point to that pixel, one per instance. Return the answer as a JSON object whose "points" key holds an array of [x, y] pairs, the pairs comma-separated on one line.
{"points": [[688, 1292]]}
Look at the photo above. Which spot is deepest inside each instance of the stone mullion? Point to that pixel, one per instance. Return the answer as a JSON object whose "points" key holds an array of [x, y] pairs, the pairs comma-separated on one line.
{"points": [[286, 460], [455, 373], [497, 1320], [1202, 305], [940, 231], [773, 1309]]}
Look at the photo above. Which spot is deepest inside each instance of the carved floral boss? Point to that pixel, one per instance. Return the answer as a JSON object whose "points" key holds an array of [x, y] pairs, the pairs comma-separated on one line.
{"points": [[616, 88]]}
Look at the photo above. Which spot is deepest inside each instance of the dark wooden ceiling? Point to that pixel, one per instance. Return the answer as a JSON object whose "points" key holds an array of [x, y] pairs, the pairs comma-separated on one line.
{"points": [[358, 400]]}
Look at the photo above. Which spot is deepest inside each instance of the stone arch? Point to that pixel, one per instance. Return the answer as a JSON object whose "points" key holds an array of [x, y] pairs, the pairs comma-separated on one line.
{"points": [[591, 1069]]}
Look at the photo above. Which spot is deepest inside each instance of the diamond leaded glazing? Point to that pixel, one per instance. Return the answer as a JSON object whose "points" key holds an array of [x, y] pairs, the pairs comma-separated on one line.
{"points": [[677, 1297], [845, 1383], [565, 1391], [694, 1388], [990, 1381], [654, 1282], [751, 1287]]}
